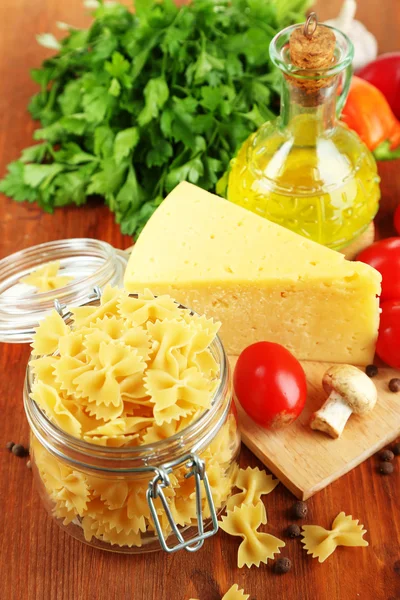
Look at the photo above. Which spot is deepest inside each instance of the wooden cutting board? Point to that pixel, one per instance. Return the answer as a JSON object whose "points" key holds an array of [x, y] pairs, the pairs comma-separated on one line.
{"points": [[306, 461]]}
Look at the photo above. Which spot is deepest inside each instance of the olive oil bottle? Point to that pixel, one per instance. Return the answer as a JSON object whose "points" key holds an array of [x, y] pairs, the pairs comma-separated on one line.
{"points": [[306, 170]]}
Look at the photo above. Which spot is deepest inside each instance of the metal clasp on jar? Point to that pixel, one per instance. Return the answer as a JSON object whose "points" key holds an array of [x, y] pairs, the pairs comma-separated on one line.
{"points": [[196, 469]]}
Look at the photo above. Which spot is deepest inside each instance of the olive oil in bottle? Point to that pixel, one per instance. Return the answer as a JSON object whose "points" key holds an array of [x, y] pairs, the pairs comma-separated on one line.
{"points": [[306, 170]]}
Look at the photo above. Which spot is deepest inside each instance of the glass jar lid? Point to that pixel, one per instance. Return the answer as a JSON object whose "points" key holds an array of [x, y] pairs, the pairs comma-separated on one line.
{"points": [[87, 263]]}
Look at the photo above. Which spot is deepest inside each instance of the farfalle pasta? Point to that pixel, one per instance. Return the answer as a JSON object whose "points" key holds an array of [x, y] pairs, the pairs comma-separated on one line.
{"points": [[49, 333], [47, 278], [108, 307], [146, 308], [66, 487], [56, 408], [321, 543], [234, 593], [256, 547], [125, 373], [254, 483], [246, 512]]}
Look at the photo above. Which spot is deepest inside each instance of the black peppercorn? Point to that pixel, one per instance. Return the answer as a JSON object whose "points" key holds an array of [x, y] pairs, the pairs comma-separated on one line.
{"points": [[386, 468], [396, 449], [394, 385], [299, 510], [19, 450], [282, 566], [293, 531], [386, 455], [10, 446], [371, 370]]}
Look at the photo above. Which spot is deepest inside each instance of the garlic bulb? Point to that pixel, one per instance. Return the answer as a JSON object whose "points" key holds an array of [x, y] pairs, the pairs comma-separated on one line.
{"points": [[365, 44]]}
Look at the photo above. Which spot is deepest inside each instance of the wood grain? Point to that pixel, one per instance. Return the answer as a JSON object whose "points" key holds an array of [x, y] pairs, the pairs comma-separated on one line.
{"points": [[307, 461], [37, 560]]}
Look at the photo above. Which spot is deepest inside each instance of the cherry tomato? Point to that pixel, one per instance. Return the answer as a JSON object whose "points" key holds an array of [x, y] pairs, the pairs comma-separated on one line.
{"points": [[270, 384], [384, 256], [397, 219], [388, 346]]}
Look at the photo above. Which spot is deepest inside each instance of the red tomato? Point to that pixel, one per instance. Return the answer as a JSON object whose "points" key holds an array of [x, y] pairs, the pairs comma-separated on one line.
{"points": [[270, 384], [388, 346], [397, 219], [384, 256], [384, 73]]}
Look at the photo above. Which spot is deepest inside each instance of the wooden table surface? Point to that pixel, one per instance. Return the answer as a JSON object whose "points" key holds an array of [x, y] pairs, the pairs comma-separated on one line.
{"points": [[40, 562]]}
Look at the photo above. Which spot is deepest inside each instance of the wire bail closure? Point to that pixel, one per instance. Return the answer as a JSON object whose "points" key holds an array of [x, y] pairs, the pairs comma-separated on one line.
{"points": [[196, 468]]}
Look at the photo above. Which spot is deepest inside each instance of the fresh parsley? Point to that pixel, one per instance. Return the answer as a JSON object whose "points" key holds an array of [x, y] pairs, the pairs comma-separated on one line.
{"points": [[139, 102]]}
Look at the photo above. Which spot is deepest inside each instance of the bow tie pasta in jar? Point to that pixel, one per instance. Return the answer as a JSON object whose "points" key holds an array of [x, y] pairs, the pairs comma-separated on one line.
{"points": [[134, 438]]}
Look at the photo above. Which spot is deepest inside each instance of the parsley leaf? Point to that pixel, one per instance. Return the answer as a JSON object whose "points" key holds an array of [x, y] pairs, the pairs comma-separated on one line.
{"points": [[35, 175], [14, 184], [139, 102], [125, 142], [156, 94]]}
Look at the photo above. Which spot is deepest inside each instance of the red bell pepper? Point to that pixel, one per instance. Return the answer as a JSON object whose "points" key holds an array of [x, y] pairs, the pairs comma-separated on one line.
{"points": [[368, 113], [384, 73]]}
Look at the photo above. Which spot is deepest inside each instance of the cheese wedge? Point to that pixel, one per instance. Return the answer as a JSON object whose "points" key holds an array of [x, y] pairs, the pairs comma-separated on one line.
{"points": [[262, 281]]}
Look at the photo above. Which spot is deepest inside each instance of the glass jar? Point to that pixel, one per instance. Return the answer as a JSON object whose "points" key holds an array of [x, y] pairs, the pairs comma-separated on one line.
{"points": [[131, 499], [91, 263], [306, 170], [126, 499]]}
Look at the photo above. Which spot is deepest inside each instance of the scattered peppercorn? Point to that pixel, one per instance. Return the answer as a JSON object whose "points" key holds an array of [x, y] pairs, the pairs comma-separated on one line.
{"points": [[386, 455], [299, 510], [394, 385], [29, 465], [386, 468], [396, 449], [371, 370], [10, 445], [19, 450], [293, 531], [282, 565]]}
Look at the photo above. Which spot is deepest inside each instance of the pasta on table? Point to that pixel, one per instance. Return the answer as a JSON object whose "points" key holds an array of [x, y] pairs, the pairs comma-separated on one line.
{"points": [[246, 512], [234, 594], [321, 543]]}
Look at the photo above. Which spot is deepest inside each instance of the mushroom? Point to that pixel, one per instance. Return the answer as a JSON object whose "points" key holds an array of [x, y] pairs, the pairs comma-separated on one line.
{"points": [[350, 391]]}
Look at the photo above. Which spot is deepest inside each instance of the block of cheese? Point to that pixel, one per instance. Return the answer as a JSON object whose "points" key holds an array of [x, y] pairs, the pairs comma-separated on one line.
{"points": [[262, 281]]}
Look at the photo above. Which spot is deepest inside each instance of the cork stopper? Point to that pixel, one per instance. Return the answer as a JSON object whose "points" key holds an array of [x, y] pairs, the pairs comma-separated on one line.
{"points": [[312, 47]]}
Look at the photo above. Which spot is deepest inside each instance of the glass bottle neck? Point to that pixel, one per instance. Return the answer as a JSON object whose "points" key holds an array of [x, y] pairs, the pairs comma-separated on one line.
{"points": [[306, 114]]}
